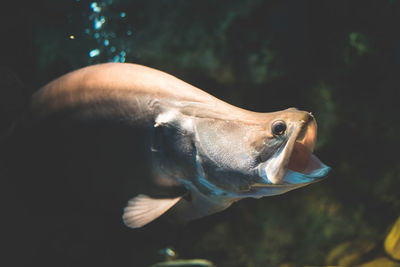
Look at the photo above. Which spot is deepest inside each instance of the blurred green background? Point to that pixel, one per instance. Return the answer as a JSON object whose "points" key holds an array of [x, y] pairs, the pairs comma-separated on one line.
{"points": [[338, 59]]}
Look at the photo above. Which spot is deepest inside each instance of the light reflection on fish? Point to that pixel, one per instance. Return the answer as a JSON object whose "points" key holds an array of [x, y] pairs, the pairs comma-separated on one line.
{"points": [[203, 154]]}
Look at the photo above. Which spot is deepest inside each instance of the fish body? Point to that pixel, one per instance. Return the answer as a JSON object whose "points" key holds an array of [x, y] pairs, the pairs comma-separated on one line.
{"points": [[180, 149]]}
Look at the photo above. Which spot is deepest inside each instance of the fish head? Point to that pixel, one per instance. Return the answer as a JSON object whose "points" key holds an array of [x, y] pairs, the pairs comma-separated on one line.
{"points": [[286, 160], [258, 154]]}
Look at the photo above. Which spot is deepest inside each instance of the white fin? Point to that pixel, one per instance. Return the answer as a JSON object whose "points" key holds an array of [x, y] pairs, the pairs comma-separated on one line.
{"points": [[143, 209]]}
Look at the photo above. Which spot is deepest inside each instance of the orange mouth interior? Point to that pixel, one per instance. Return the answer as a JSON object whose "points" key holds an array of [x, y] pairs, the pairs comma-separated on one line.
{"points": [[302, 159]]}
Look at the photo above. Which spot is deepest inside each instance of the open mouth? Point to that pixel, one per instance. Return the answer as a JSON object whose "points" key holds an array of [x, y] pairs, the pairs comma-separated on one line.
{"points": [[303, 165], [302, 158], [295, 165]]}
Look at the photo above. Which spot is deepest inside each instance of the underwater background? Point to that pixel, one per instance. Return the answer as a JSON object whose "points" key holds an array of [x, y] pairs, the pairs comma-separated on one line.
{"points": [[338, 59]]}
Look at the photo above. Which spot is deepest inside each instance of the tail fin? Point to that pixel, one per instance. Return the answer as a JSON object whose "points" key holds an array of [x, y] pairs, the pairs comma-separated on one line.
{"points": [[12, 102]]}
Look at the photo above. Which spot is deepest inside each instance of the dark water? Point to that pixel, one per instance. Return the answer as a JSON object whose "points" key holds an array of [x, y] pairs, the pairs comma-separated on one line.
{"points": [[338, 59]]}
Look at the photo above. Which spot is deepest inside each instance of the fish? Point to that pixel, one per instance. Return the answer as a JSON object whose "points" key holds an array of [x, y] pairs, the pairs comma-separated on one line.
{"points": [[182, 151]]}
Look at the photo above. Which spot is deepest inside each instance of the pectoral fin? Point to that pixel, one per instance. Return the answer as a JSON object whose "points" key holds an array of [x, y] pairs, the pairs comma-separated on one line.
{"points": [[143, 209]]}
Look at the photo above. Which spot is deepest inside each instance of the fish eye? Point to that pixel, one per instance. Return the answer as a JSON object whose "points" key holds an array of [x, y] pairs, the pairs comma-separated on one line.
{"points": [[278, 127]]}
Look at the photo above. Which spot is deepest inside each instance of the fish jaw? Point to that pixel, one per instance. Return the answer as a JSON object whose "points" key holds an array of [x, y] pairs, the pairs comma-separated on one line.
{"points": [[303, 166], [294, 165]]}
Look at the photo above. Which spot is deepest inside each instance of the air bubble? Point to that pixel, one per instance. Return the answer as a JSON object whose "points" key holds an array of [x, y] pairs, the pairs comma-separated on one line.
{"points": [[95, 7], [94, 53]]}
